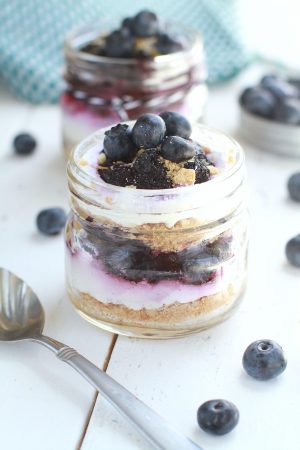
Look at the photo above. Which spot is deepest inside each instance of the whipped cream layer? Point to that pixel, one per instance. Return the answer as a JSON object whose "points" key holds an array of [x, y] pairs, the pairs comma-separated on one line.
{"points": [[89, 276]]}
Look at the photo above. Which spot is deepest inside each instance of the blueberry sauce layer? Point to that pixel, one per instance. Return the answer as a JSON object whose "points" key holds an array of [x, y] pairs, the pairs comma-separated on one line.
{"points": [[141, 36], [133, 260]]}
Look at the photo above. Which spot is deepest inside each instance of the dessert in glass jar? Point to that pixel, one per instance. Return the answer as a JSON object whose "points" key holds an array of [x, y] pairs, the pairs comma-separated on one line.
{"points": [[143, 66], [156, 242]]}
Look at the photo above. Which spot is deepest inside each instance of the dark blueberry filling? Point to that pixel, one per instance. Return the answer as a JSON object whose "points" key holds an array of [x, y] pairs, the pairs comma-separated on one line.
{"points": [[133, 260]]}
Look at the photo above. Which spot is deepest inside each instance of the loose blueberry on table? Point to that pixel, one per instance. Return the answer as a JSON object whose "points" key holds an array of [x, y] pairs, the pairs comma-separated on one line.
{"points": [[51, 221], [217, 417], [141, 36], [24, 144], [294, 186], [274, 98], [264, 359], [292, 251]]}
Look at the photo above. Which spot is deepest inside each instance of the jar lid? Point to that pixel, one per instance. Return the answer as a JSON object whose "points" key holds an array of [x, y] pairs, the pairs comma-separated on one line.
{"points": [[274, 137]]}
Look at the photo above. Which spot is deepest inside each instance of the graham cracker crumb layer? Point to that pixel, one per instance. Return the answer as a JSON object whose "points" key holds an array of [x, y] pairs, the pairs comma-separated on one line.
{"points": [[172, 316]]}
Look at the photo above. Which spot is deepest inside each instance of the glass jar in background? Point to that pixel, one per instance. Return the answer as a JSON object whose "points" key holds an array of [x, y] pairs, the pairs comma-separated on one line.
{"points": [[157, 263], [101, 91]]}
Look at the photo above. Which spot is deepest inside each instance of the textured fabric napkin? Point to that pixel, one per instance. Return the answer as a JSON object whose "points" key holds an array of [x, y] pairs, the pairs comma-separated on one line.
{"points": [[32, 34]]}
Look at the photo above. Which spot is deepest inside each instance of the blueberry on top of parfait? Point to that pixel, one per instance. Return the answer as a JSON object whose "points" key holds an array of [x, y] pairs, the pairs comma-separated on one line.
{"points": [[140, 36], [153, 154]]}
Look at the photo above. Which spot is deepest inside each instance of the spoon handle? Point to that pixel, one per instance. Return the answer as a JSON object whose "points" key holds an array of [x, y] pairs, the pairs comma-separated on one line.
{"points": [[146, 421]]}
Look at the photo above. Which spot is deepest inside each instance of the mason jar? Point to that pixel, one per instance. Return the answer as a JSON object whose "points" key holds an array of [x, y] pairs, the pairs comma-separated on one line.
{"points": [[101, 91], [157, 263]]}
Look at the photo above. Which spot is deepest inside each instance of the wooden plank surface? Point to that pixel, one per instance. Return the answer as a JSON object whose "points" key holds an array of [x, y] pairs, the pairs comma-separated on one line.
{"points": [[44, 403]]}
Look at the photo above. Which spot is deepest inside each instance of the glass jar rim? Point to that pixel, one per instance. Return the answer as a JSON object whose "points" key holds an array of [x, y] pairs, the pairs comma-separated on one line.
{"points": [[74, 41], [89, 181]]}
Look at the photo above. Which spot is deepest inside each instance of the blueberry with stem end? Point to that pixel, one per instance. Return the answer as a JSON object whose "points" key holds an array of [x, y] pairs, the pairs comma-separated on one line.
{"points": [[264, 359], [176, 124], [51, 221], [217, 417], [292, 251], [24, 144], [148, 131]]}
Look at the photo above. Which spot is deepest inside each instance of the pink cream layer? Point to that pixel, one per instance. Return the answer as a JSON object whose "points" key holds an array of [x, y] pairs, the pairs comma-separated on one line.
{"points": [[89, 276]]}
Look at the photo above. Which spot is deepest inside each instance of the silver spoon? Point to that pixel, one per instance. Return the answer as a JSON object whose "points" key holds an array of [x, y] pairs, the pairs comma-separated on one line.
{"points": [[22, 318]]}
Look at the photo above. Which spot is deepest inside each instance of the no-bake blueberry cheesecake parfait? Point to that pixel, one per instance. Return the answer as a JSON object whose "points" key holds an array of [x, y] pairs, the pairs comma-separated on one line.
{"points": [[144, 65], [157, 237]]}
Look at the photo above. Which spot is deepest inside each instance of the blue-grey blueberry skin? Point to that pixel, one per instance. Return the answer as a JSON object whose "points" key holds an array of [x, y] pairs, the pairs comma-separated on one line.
{"points": [[176, 124], [177, 149], [145, 24], [292, 251], [264, 359], [148, 131], [279, 87], [51, 221], [288, 111], [24, 144], [118, 145], [259, 101], [218, 416], [294, 186]]}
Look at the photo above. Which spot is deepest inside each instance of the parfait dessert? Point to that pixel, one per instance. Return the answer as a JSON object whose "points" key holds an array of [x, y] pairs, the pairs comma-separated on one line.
{"points": [[156, 243], [144, 65]]}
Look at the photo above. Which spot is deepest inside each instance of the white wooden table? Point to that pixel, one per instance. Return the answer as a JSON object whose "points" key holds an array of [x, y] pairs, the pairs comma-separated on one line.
{"points": [[46, 405]]}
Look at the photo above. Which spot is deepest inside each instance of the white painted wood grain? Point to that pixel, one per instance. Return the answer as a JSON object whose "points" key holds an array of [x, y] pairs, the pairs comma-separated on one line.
{"points": [[175, 377], [44, 403]]}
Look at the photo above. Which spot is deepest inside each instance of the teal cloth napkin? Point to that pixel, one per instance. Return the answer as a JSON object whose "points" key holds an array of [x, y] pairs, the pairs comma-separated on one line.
{"points": [[32, 33]]}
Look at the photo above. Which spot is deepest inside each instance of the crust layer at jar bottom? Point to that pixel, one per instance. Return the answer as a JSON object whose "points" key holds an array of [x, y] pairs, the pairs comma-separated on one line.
{"points": [[169, 321]]}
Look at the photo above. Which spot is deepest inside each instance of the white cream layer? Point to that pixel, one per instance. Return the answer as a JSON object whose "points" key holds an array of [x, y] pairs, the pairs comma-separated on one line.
{"points": [[88, 276]]}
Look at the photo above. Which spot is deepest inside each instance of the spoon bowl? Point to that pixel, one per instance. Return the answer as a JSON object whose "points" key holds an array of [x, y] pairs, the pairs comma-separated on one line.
{"points": [[21, 313]]}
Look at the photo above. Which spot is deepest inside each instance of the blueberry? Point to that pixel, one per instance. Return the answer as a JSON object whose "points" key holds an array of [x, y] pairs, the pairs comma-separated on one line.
{"points": [[166, 44], [177, 149], [51, 221], [119, 44], [145, 24], [148, 131], [128, 23], [279, 87], [24, 144], [294, 186], [217, 416], [118, 145], [288, 111], [267, 79], [176, 124], [258, 101], [264, 359], [292, 251]]}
